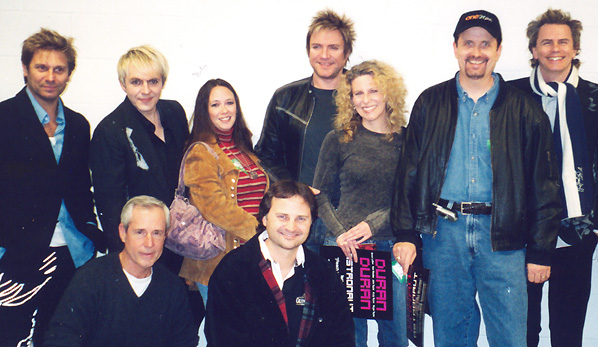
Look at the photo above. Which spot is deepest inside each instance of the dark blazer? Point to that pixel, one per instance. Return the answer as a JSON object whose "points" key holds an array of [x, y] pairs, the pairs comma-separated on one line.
{"points": [[120, 172], [588, 96], [242, 310], [33, 185]]}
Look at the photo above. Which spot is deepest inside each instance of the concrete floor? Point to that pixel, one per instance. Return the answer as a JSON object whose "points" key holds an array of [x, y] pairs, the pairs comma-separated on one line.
{"points": [[590, 330]]}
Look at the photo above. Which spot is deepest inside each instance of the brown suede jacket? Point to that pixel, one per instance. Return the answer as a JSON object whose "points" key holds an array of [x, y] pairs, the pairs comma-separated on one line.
{"points": [[212, 188]]}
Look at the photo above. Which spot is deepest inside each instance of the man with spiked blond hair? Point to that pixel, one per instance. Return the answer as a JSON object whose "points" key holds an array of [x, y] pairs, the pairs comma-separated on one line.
{"points": [[300, 114], [570, 103]]}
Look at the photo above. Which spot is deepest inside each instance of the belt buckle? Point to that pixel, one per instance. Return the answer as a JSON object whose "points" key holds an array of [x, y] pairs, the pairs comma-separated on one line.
{"points": [[463, 204]]}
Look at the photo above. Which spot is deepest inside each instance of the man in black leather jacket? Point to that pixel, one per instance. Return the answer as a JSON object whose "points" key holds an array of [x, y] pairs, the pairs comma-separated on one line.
{"points": [[300, 114], [479, 153]]}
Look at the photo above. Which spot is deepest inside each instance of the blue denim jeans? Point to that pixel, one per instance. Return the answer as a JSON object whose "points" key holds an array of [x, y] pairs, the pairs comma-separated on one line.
{"points": [[390, 332], [203, 290], [462, 263]]}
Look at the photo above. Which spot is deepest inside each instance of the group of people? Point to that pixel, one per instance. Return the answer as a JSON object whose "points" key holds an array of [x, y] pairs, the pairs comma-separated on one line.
{"points": [[481, 186]]}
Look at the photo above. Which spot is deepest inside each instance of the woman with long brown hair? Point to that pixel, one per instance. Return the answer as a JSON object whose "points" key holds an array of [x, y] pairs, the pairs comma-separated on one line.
{"points": [[228, 189]]}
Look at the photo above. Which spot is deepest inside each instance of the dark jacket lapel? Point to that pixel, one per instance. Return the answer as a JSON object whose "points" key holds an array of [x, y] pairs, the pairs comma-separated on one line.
{"points": [[29, 120], [142, 141]]}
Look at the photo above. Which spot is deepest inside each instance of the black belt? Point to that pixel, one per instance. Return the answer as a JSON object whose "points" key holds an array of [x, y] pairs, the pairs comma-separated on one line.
{"points": [[467, 207]]}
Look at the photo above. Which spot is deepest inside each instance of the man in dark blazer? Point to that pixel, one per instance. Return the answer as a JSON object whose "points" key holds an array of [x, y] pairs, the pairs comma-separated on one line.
{"points": [[137, 149], [48, 226], [570, 104]]}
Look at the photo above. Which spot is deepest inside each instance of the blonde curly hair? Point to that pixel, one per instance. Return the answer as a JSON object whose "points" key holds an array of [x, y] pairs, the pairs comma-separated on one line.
{"points": [[389, 83]]}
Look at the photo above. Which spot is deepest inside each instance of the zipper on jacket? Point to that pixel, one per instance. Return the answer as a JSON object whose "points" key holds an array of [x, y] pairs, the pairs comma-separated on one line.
{"points": [[290, 114]]}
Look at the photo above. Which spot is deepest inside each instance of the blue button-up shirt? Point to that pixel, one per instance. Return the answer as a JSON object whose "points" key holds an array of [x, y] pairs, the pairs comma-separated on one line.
{"points": [[469, 174], [80, 247]]}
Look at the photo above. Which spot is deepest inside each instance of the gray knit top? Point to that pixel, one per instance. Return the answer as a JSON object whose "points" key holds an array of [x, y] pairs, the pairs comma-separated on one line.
{"points": [[365, 168]]}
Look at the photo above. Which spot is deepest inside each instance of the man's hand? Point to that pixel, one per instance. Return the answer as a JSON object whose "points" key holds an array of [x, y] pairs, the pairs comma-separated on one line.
{"points": [[538, 273], [405, 253]]}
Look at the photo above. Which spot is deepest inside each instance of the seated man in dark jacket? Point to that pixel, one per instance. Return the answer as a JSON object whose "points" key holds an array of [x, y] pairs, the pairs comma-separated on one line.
{"points": [[125, 299], [274, 292]]}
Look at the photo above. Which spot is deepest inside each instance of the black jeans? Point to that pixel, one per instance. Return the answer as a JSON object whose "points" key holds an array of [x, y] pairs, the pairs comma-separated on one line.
{"points": [[29, 316], [569, 289]]}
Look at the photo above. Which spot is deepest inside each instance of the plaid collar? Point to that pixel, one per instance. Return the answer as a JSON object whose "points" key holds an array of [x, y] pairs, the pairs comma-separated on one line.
{"points": [[308, 309], [299, 259]]}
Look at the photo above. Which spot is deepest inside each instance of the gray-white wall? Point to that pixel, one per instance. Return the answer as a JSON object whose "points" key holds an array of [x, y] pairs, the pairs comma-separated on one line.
{"points": [[259, 45]]}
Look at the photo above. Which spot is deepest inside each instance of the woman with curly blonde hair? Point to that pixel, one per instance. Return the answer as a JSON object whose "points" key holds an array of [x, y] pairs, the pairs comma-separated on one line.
{"points": [[362, 154], [389, 83]]}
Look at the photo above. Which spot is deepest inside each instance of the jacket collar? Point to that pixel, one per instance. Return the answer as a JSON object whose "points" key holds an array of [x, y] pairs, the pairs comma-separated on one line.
{"points": [[252, 255], [502, 90], [28, 117], [140, 135]]}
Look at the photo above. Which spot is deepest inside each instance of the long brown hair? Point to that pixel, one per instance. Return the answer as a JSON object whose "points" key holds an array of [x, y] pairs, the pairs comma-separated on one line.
{"points": [[202, 128]]}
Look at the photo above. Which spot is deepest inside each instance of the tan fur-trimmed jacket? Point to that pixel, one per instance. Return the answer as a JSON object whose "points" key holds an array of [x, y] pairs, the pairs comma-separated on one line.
{"points": [[212, 188]]}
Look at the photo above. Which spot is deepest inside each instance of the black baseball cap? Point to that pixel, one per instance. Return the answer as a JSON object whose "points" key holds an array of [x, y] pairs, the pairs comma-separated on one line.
{"points": [[482, 19]]}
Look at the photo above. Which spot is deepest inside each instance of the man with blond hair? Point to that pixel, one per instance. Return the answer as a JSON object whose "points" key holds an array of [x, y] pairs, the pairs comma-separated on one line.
{"points": [[48, 226], [300, 114], [570, 103], [137, 149]]}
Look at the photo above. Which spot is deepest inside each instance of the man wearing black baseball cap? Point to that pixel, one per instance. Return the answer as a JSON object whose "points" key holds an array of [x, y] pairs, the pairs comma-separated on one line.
{"points": [[478, 190]]}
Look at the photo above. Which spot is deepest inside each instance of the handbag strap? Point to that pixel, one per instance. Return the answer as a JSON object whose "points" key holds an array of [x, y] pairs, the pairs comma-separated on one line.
{"points": [[180, 190]]}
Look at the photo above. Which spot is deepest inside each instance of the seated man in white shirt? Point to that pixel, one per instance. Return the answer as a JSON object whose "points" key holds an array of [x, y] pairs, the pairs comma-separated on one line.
{"points": [[274, 292], [126, 299]]}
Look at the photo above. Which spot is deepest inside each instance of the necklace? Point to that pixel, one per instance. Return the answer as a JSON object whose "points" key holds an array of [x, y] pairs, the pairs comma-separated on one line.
{"points": [[239, 165]]}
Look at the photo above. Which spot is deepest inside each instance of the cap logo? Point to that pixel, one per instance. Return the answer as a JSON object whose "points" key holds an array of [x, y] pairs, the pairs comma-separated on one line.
{"points": [[478, 16]]}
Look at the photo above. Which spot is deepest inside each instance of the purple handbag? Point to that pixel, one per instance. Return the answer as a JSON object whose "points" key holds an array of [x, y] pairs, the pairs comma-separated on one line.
{"points": [[190, 234]]}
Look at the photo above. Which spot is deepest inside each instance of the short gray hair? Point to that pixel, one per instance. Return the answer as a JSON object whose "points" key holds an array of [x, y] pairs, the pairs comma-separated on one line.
{"points": [[145, 202]]}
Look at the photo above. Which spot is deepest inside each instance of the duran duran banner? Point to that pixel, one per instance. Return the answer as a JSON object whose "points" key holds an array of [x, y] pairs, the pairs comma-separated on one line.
{"points": [[368, 282]]}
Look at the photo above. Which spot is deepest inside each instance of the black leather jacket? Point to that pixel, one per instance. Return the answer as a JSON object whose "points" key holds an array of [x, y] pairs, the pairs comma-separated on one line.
{"points": [[525, 181], [283, 134]]}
